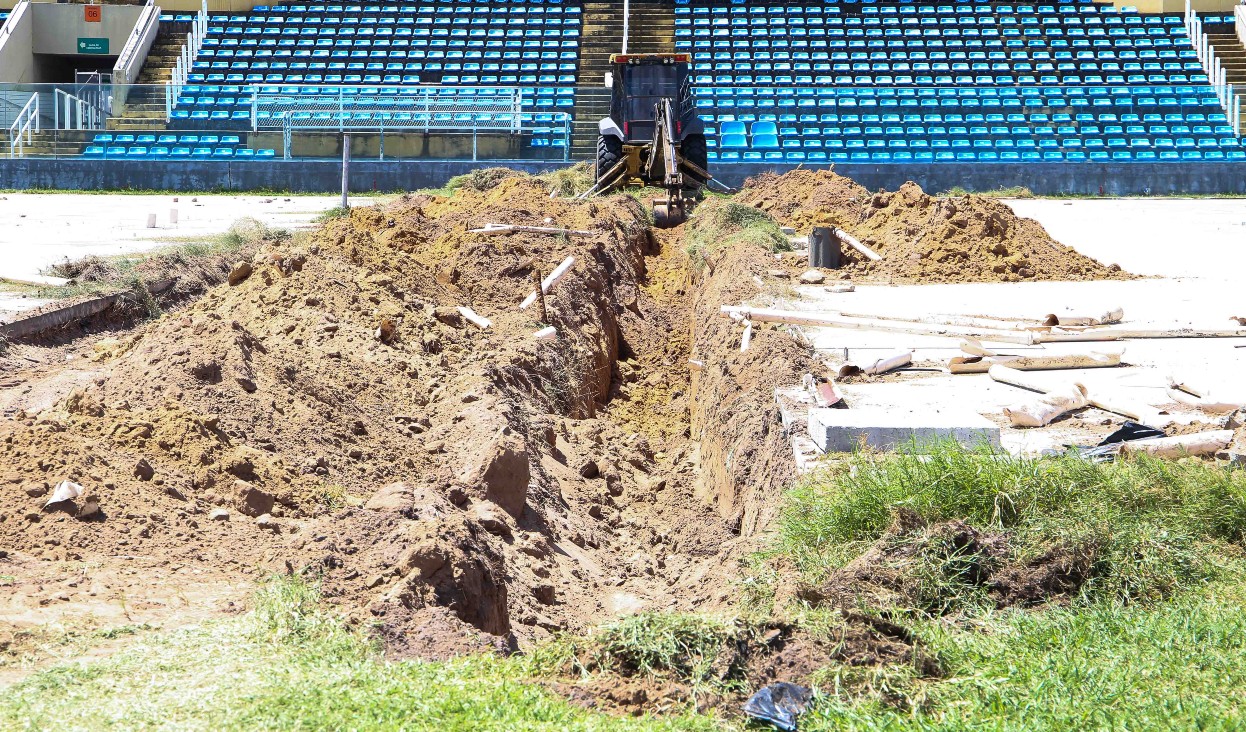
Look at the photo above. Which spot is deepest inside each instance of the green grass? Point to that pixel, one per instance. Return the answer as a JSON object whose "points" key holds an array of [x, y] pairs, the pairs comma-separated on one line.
{"points": [[683, 646], [1002, 192], [1150, 522], [1174, 665], [289, 665], [718, 223], [1152, 641]]}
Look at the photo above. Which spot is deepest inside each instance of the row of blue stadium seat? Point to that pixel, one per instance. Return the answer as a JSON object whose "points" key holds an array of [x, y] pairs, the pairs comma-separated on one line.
{"points": [[310, 83], [1087, 7], [1216, 119], [845, 78], [981, 130], [977, 157], [353, 51], [505, 30], [738, 21], [922, 51], [188, 153], [1036, 33], [914, 40], [776, 142], [244, 65], [239, 77], [316, 95], [455, 26], [154, 139], [1189, 104]]}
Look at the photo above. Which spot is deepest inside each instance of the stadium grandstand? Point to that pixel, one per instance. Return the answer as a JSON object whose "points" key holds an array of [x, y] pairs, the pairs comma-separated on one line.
{"points": [[888, 83]]}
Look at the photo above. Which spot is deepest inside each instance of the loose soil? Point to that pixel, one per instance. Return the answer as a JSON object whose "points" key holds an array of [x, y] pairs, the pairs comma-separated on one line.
{"points": [[333, 413], [921, 238]]}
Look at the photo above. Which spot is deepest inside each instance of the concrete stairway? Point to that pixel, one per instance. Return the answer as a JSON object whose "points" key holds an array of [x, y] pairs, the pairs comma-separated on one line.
{"points": [[1233, 59], [144, 109], [652, 30], [51, 143]]}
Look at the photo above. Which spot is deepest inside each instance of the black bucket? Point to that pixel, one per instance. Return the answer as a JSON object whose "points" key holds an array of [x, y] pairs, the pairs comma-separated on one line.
{"points": [[823, 248]]}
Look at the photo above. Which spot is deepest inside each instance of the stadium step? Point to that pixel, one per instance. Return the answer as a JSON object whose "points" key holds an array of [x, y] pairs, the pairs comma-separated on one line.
{"points": [[651, 30], [144, 110]]}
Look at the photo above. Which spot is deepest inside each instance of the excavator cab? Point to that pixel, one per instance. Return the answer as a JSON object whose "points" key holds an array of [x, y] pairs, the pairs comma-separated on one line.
{"points": [[653, 136]]}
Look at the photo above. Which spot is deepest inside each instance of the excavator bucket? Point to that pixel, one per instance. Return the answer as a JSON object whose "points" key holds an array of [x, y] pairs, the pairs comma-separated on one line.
{"points": [[669, 213]]}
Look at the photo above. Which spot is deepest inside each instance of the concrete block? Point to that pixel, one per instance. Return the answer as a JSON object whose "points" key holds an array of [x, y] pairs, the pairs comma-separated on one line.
{"points": [[843, 430]]}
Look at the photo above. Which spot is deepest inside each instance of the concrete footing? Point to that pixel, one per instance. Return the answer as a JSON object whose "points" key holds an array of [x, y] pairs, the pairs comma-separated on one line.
{"points": [[845, 430]]}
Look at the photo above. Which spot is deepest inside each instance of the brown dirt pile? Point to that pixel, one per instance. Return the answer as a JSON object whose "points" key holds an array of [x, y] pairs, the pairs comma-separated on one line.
{"points": [[936, 568], [746, 460], [333, 413], [922, 238]]}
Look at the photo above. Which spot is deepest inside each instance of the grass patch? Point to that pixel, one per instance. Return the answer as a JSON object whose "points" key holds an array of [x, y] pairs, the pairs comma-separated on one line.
{"points": [[94, 275], [570, 181], [1107, 666], [720, 222], [337, 212], [290, 665], [1154, 522], [1002, 192], [683, 646]]}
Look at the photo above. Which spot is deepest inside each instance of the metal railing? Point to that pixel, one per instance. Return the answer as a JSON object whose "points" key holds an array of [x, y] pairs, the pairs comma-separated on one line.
{"points": [[17, 10], [1216, 74], [186, 60], [27, 123], [422, 108], [71, 112], [134, 54]]}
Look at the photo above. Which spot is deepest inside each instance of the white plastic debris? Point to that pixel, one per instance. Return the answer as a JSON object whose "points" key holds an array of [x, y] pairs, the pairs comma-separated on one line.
{"points": [[65, 491]]}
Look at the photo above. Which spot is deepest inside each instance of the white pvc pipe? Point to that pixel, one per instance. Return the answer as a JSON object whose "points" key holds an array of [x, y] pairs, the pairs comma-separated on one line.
{"points": [[837, 320], [473, 318], [980, 364], [881, 365], [547, 333], [549, 281], [1042, 411], [1199, 443], [853, 242]]}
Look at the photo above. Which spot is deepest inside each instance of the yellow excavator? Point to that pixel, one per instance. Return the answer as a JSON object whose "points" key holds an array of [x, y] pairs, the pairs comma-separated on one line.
{"points": [[653, 136]]}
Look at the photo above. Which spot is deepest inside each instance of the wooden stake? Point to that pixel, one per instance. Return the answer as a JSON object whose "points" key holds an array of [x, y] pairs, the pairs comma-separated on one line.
{"points": [[540, 294]]}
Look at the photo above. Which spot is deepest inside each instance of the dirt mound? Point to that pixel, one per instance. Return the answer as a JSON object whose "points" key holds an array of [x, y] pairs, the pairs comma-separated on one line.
{"points": [[335, 412], [943, 567], [922, 238]]}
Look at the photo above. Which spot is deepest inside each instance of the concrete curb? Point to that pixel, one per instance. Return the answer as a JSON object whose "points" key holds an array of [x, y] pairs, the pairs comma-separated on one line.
{"points": [[79, 311]]}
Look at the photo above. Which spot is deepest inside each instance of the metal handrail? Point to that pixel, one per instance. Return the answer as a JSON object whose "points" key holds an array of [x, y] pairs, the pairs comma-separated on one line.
{"points": [[31, 125], [151, 14], [79, 113], [1216, 73], [185, 60]]}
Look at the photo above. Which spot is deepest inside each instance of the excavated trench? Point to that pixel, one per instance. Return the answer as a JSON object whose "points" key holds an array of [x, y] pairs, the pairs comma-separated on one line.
{"points": [[336, 412]]}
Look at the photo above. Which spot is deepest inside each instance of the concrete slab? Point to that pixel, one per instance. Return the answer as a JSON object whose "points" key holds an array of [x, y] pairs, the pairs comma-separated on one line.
{"points": [[844, 430]]}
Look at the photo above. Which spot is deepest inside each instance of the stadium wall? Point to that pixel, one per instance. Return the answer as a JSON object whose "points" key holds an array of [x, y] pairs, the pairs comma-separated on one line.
{"points": [[324, 176]]}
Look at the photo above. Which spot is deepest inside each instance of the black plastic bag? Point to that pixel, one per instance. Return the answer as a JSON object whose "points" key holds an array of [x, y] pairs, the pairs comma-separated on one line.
{"points": [[1106, 450], [779, 704], [1131, 431]]}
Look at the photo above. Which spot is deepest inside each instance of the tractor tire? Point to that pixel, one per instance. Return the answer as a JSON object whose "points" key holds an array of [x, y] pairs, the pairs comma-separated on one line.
{"points": [[695, 151], [609, 153]]}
